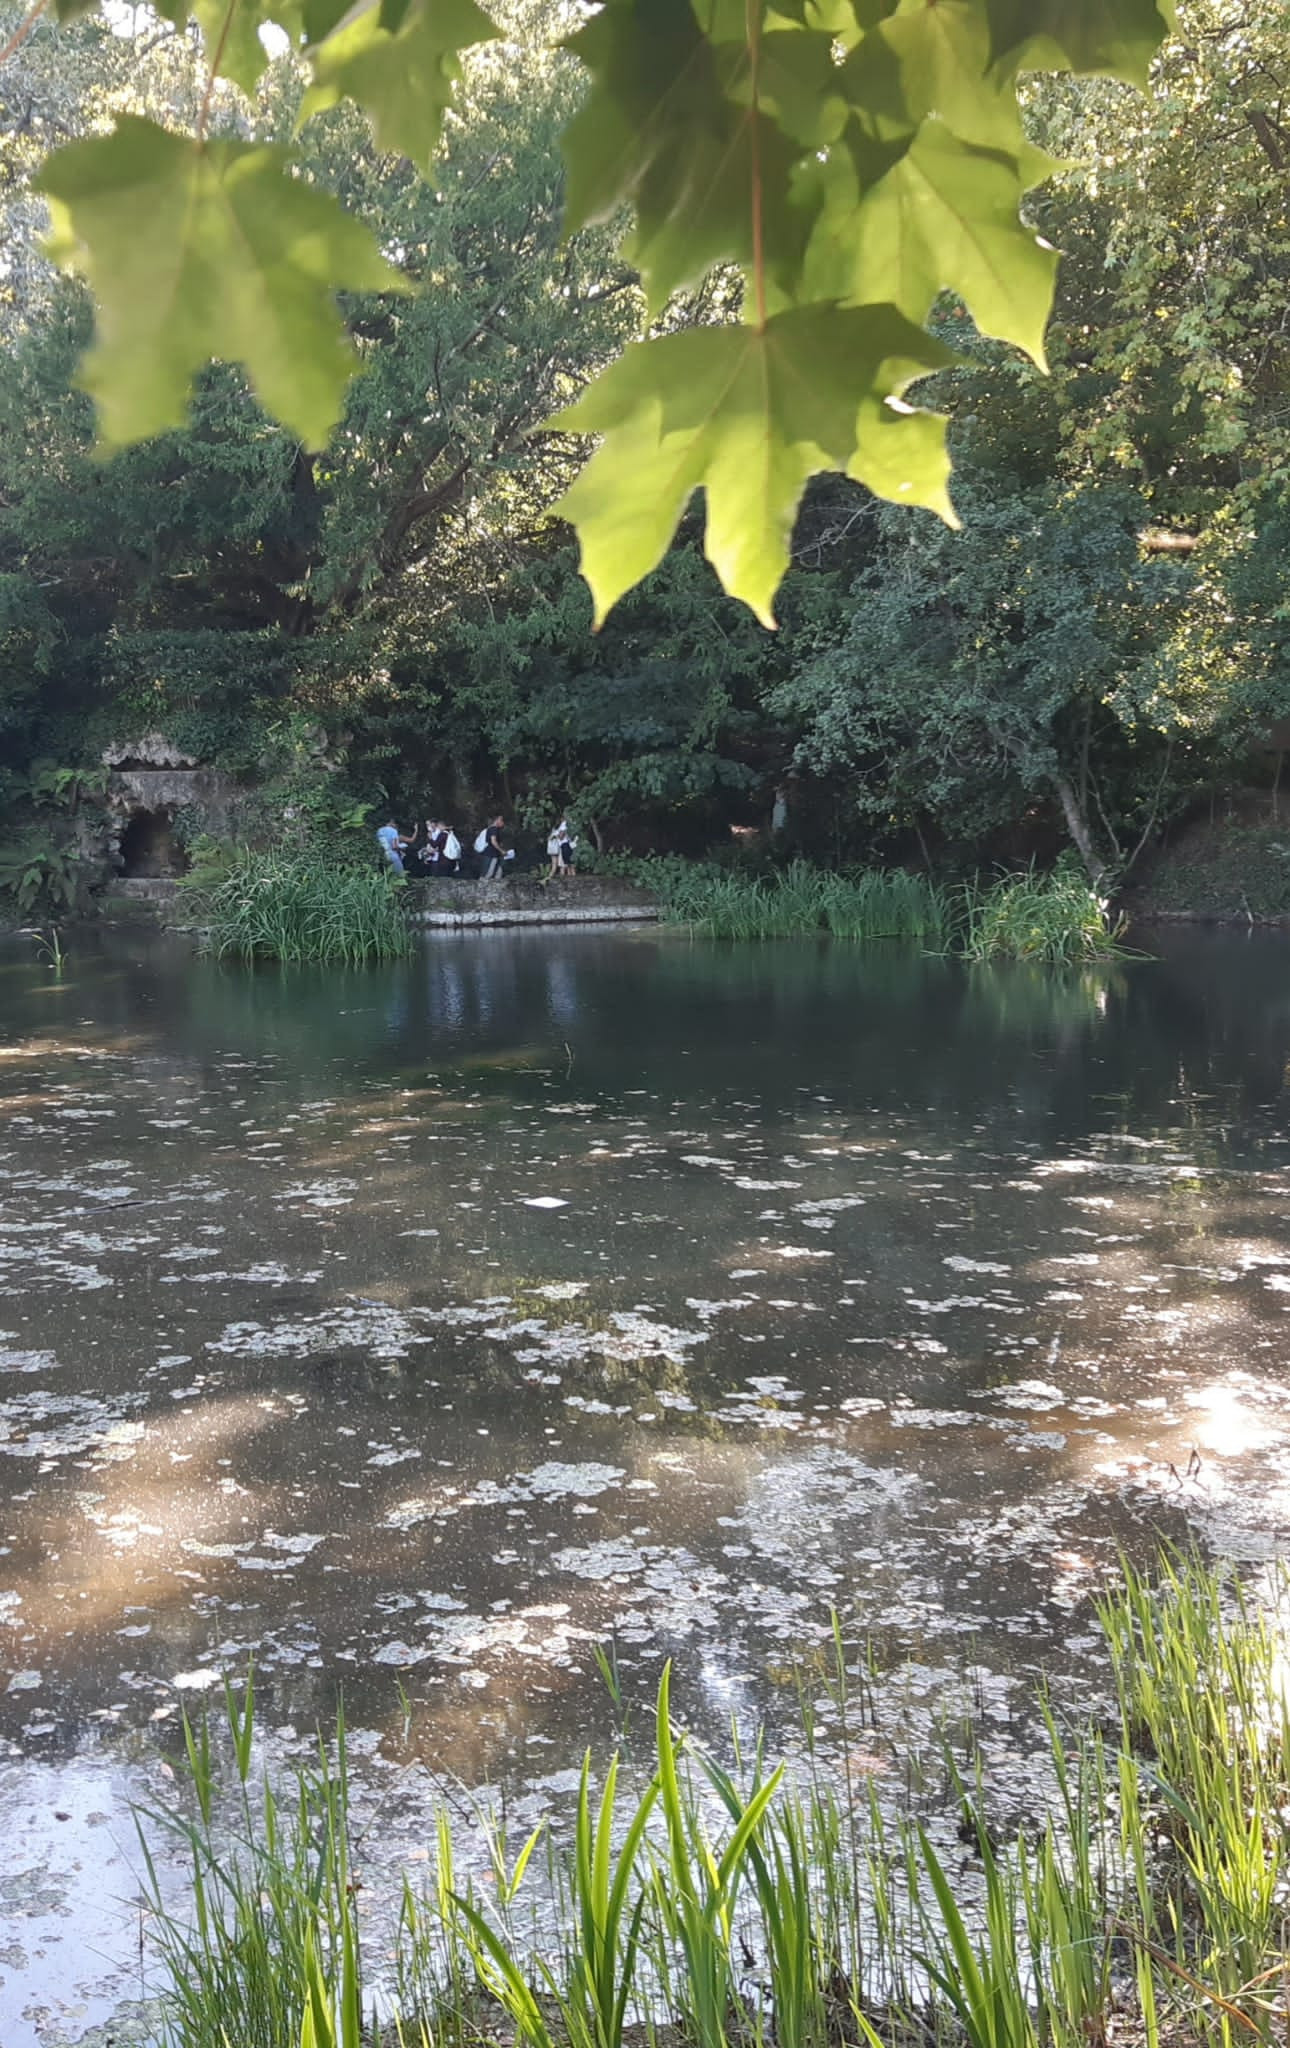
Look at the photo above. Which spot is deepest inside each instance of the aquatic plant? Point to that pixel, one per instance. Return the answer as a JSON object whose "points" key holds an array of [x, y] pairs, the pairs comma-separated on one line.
{"points": [[740, 1904], [1053, 918], [293, 906], [799, 901], [268, 1948], [1202, 1690], [1056, 917], [51, 952]]}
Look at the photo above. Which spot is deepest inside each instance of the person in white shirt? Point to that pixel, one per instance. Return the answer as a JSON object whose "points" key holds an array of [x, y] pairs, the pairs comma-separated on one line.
{"points": [[560, 849]]}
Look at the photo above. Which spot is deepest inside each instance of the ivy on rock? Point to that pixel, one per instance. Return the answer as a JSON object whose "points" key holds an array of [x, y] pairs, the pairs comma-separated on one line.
{"points": [[852, 159]]}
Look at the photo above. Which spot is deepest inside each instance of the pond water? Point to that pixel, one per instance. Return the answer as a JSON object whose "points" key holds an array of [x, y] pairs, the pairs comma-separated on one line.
{"points": [[416, 1331]]}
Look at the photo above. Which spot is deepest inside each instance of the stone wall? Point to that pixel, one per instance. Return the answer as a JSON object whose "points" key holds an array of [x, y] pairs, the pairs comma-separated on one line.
{"points": [[445, 906], [130, 831], [585, 899]]}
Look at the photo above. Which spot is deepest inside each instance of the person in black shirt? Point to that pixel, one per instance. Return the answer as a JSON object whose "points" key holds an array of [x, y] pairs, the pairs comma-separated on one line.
{"points": [[493, 849]]}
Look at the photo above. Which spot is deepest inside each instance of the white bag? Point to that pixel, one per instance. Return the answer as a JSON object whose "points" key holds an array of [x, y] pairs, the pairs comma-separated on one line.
{"points": [[481, 840], [452, 851]]}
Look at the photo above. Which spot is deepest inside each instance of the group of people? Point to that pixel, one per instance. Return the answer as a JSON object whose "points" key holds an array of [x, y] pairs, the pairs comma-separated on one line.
{"points": [[433, 850]]}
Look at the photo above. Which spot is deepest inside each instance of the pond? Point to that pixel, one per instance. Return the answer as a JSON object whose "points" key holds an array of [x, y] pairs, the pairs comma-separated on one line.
{"points": [[416, 1331]]}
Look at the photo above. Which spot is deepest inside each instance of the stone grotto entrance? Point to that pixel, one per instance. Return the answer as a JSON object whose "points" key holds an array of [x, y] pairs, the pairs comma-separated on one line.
{"points": [[149, 848]]}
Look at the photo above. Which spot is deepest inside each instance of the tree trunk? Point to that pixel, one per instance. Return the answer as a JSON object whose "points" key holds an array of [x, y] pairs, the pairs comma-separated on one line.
{"points": [[1077, 826]]}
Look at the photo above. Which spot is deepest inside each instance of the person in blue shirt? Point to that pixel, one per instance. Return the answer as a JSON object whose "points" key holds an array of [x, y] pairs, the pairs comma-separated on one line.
{"points": [[392, 845]]}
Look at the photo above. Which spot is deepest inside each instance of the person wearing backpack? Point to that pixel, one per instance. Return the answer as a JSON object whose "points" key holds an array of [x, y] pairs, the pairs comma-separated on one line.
{"points": [[560, 847], [425, 852], [488, 843], [433, 855]]}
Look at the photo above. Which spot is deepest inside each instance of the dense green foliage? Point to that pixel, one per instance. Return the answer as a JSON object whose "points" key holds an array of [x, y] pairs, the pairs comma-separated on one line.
{"points": [[1101, 647], [799, 901], [1144, 1889], [1057, 918], [850, 162]]}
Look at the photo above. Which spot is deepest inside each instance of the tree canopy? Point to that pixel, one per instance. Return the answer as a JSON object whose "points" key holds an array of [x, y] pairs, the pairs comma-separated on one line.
{"points": [[848, 161], [1089, 653]]}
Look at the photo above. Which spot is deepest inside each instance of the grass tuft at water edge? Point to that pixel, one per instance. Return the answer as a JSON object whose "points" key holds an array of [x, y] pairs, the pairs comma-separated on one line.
{"points": [[734, 1905]]}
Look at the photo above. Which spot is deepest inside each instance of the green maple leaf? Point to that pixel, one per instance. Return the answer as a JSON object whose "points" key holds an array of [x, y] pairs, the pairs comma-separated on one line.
{"points": [[230, 34], [797, 82], [750, 414], [845, 19], [400, 62], [694, 210], [196, 251], [663, 129], [1112, 37], [935, 60], [652, 80], [943, 217]]}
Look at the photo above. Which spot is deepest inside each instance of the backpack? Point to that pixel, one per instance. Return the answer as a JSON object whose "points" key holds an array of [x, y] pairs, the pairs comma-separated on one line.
{"points": [[481, 840], [452, 851]]}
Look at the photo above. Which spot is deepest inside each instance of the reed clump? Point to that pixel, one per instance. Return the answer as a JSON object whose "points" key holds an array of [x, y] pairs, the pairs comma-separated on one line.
{"points": [[1053, 917], [799, 901], [716, 1904], [294, 906]]}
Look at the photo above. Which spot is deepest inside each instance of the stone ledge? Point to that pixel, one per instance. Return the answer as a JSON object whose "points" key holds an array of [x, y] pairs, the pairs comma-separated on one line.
{"points": [[587, 899], [558, 913], [140, 889], [441, 906]]}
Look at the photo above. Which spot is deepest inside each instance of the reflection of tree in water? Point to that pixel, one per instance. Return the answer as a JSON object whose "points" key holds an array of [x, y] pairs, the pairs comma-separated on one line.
{"points": [[927, 1092], [595, 1367], [1023, 1001], [1198, 1036]]}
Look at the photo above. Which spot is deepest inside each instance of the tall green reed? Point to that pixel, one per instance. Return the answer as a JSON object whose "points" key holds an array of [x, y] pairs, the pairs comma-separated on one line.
{"points": [[1053, 918], [268, 1954], [1056, 918], [695, 1889], [796, 1908], [294, 906], [1201, 1687], [800, 901]]}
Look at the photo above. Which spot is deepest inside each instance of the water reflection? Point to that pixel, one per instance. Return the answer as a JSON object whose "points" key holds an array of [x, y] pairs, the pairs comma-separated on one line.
{"points": [[881, 1025]]}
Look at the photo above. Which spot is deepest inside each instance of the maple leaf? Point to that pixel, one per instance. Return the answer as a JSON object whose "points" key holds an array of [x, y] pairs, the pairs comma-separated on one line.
{"points": [[198, 250], [844, 19], [400, 62], [231, 34], [750, 414], [934, 61], [668, 128], [797, 82], [944, 216], [1112, 37]]}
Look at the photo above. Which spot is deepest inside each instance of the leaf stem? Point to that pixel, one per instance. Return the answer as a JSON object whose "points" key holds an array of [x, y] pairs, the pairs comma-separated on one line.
{"points": [[24, 29], [217, 58], [752, 20]]}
